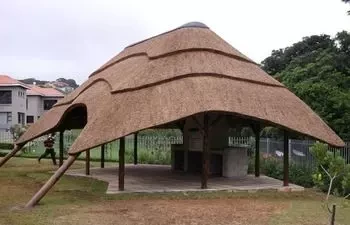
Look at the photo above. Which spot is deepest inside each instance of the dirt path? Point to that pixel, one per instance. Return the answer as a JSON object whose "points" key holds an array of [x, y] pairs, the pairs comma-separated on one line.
{"points": [[204, 212]]}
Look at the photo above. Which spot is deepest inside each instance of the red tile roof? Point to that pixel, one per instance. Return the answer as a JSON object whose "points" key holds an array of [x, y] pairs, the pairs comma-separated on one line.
{"points": [[6, 81], [47, 92], [9, 81]]}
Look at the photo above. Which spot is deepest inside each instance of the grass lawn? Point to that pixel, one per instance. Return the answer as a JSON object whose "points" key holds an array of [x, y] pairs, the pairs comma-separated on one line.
{"points": [[83, 201]]}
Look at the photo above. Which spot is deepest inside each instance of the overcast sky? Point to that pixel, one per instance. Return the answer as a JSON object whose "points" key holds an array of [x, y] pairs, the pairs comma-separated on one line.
{"points": [[47, 39]]}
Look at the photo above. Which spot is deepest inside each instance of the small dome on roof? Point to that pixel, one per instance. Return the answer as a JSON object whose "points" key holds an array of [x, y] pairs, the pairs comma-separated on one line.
{"points": [[195, 24]]}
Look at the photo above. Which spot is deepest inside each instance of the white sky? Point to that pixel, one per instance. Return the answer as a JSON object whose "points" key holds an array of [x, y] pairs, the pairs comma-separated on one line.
{"points": [[47, 39]]}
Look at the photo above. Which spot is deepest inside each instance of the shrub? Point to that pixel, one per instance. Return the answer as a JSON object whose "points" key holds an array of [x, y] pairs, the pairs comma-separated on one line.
{"points": [[6, 146], [17, 130], [301, 175], [298, 174], [336, 168], [272, 167]]}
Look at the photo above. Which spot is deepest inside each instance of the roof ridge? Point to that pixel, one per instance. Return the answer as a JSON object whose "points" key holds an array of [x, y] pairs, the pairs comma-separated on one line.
{"points": [[198, 25]]}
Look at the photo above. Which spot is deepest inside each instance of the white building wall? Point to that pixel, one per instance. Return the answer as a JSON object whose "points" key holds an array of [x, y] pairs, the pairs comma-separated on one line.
{"points": [[18, 104], [35, 106]]}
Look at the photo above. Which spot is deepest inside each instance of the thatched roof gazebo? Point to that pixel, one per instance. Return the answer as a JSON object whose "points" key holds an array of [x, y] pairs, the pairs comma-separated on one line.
{"points": [[158, 82]]}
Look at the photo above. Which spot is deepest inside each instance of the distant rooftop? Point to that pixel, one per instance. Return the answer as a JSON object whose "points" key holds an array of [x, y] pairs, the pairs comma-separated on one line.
{"points": [[45, 92], [6, 81]]}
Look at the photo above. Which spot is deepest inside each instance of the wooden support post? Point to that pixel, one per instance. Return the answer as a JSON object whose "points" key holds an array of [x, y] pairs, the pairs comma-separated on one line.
{"points": [[286, 159], [135, 148], [61, 148], [10, 154], [257, 130], [332, 222], [121, 171], [205, 155], [103, 156], [49, 184], [87, 162]]}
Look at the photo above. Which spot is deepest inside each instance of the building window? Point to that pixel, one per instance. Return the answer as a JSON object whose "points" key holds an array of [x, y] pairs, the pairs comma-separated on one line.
{"points": [[48, 104], [30, 119], [5, 97], [20, 94], [5, 117], [21, 118], [9, 117]]}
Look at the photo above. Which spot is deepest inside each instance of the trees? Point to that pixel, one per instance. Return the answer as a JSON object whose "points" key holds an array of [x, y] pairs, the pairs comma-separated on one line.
{"points": [[317, 69], [332, 175], [347, 1], [17, 130]]}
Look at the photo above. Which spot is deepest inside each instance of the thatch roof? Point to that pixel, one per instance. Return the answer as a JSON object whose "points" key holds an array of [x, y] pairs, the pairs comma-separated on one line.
{"points": [[171, 76]]}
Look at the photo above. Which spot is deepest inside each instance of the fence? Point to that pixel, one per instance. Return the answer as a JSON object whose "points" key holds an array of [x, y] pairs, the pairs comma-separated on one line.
{"points": [[151, 149], [154, 145], [6, 137], [298, 149]]}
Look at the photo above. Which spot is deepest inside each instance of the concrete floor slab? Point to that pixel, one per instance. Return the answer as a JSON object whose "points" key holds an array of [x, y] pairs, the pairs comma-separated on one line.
{"points": [[160, 178]]}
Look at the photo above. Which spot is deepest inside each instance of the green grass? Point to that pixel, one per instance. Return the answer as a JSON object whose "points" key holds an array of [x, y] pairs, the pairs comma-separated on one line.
{"points": [[21, 178]]}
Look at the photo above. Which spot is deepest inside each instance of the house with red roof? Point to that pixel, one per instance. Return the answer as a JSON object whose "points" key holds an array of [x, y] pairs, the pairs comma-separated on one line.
{"points": [[22, 103]]}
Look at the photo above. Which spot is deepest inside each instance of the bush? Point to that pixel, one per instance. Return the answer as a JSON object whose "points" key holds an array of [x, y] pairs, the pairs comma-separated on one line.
{"points": [[335, 165], [272, 167], [300, 175], [17, 130], [6, 146]]}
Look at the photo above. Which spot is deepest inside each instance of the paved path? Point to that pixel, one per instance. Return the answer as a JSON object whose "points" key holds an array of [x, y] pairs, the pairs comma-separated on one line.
{"points": [[159, 178]]}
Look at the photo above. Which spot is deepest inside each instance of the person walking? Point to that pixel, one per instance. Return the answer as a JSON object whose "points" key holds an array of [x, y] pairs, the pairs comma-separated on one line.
{"points": [[49, 149]]}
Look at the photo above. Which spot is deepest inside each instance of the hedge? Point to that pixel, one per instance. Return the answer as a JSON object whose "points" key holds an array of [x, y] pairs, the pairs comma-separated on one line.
{"points": [[6, 145]]}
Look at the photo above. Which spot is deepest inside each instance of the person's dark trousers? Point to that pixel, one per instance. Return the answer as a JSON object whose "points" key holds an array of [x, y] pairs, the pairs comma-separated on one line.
{"points": [[52, 153], [53, 156]]}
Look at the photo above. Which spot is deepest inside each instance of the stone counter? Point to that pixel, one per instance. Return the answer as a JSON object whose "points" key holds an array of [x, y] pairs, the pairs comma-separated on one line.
{"points": [[235, 162]]}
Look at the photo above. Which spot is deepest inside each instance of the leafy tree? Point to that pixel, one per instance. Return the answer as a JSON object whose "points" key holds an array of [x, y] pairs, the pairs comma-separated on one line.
{"points": [[347, 1], [317, 69], [33, 80], [17, 130], [332, 173], [70, 82]]}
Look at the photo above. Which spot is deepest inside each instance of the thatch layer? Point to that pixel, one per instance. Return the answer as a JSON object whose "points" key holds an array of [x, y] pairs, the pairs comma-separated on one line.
{"points": [[178, 40], [175, 75], [172, 67]]}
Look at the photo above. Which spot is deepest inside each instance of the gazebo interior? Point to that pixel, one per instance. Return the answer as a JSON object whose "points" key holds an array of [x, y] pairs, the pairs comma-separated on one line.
{"points": [[203, 161]]}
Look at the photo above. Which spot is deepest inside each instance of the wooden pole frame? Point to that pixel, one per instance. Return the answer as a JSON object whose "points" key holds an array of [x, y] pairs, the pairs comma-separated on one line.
{"points": [[206, 154], [87, 162], [61, 148], [9, 155], [135, 148], [103, 156], [286, 159], [257, 130], [51, 182], [121, 170]]}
